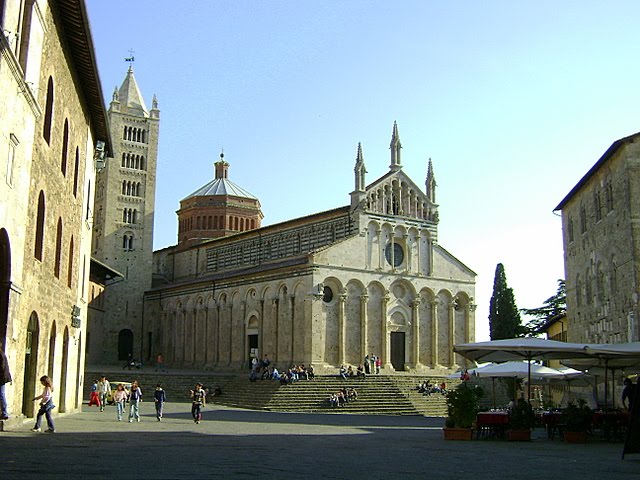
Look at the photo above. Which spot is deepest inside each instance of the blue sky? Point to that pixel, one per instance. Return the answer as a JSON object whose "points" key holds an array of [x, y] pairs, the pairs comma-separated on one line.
{"points": [[513, 101]]}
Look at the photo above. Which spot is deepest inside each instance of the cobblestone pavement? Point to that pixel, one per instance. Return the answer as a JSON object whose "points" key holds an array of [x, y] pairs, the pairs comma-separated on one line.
{"points": [[233, 443]]}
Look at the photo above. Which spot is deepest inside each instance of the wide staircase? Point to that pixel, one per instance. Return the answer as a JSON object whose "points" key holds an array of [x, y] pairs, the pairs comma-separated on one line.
{"points": [[377, 394]]}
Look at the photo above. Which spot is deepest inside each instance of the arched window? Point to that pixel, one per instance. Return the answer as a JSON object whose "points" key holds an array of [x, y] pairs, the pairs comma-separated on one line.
{"points": [[139, 189], [124, 134], [142, 162], [76, 172], [56, 267], [124, 156], [65, 147], [48, 112], [124, 187], [40, 227], [70, 268], [135, 215], [124, 215]]}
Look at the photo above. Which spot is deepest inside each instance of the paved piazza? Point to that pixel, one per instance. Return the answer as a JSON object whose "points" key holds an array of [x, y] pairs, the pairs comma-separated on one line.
{"points": [[234, 443]]}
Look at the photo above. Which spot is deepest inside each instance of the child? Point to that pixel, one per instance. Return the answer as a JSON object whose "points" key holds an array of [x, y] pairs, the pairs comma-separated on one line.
{"points": [[94, 398], [46, 405], [119, 397], [135, 397], [198, 397], [159, 397]]}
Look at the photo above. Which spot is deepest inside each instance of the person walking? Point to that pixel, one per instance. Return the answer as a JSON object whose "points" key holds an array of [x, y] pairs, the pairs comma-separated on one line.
{"points": [[5, 377], [159, 397], [135, 397], [46, 405], [119, 398], [198, 401], [104, 387]]}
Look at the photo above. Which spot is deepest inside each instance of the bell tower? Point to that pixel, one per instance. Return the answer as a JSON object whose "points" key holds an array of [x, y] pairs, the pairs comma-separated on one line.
{"points": [[123, 221]]}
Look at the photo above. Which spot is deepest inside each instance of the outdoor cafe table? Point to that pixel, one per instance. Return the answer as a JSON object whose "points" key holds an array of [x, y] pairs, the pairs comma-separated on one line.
{"points": [[612, 424], [552, 421], [492, 424]]}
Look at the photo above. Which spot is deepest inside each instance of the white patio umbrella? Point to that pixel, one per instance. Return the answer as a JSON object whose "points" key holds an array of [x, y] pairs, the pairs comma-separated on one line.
{"points": [[514, 369], [526, 348], [621, 356]]}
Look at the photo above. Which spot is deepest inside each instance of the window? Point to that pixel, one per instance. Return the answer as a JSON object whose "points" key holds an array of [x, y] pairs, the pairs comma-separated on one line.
{"points": [[40, 227], [597, 205], [395, 257], [570, 229], [48, 112], [56, 267], [11, 159], [76, 172], [583, 219], [88, 214], [127, 242], [609, 194], [327, 294], [65, 146], [70, 267]]}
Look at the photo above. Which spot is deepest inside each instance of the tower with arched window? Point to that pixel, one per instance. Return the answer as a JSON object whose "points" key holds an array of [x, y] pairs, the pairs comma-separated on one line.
{"points": [[123, 231]]}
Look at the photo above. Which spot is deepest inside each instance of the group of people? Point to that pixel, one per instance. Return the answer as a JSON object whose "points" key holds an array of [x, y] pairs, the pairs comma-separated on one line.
{"points": [[372, 364], [263, 370], [343, 396], [348, 372], [427, 388]]}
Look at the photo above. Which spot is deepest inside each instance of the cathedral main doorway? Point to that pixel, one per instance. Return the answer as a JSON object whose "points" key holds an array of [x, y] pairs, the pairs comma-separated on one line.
{"points": [[397, 350]]}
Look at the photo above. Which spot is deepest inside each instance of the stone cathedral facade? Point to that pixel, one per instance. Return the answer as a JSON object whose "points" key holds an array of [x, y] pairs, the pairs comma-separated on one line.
{"points": [[325, 289]]}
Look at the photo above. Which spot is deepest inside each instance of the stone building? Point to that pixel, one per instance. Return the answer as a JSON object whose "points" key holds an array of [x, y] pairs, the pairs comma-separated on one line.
{"points": [[123, 224], [325, 289], [53, 126], [601, 237]]}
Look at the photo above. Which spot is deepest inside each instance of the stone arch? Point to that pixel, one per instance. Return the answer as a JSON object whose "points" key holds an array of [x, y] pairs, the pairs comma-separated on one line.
{"points": [[332, 288], [31, 354], [5, 285], [445, 302], [354, 330], [51, 361], [64, 370]]}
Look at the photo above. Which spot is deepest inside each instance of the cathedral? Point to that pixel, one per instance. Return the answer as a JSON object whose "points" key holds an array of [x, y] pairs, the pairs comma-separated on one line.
{"points": [[326, 289]]}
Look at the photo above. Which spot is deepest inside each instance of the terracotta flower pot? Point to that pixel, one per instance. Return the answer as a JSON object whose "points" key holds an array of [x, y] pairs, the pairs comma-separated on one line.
{"points": [[575, 437], [458, 433], [519, 435]]}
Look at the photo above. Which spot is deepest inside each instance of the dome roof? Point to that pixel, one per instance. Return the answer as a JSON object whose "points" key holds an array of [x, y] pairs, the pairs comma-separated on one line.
{"points": [[221, 186]]}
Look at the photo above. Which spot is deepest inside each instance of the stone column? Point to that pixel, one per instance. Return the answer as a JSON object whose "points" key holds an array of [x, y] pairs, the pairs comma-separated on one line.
{"points": [[217, 341], [380, 248], [363, 325], [415, 331], [384, 335], [230, 346], [341, 328], [452, 331], [408, 251], [244, 355], [261, 331], [293, 324], [274, 317], [434, 333], [207, 339]]}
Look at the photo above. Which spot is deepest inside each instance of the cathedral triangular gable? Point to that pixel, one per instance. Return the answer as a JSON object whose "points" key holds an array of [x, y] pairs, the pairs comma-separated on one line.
{"points": [[395, 193]]}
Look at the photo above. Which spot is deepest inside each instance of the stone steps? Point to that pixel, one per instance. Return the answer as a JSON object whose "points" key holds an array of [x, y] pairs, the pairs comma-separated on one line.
{"points": [[377, 394]]}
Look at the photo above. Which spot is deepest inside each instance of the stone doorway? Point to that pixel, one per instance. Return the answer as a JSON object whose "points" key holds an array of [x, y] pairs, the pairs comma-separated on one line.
{"points": [[397, 350], [30, 365]]}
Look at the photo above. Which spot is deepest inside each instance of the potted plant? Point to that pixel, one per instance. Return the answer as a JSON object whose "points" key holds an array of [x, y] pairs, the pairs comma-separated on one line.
{"points": [[577, 421], [521, 421], [462, 408]]}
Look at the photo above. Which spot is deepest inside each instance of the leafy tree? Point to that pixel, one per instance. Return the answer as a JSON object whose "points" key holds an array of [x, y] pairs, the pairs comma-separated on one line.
{"points": [[504, 316], [552, 307]]}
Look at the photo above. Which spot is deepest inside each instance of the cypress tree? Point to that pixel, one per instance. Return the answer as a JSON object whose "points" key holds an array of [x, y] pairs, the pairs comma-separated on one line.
{"points": [[504, 316]]}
